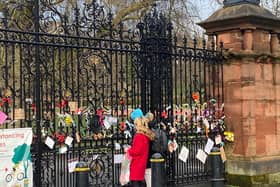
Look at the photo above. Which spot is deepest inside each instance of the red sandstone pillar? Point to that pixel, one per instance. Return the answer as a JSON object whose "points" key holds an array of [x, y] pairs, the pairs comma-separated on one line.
{"points": [[274, 42], [248, 40], [252, 91]]}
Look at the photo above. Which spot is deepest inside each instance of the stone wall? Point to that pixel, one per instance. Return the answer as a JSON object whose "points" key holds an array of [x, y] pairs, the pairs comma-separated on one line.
{"points": [[252, 105]]}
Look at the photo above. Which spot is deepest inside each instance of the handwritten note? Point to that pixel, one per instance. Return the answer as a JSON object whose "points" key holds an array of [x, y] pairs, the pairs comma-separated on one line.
{"points": [[208, 146], [184, 154], [201, 155], [68, 141], [49, 142], [63, 150], [72, 165]]}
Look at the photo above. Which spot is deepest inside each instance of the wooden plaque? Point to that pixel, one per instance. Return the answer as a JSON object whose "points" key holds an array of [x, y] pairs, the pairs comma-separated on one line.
{"points": [[19, 114], [73, 106]]}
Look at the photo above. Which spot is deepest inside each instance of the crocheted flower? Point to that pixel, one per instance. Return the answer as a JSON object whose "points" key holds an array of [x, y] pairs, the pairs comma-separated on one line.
{"points": [[229, 136], [68, 120], [195, 96]]}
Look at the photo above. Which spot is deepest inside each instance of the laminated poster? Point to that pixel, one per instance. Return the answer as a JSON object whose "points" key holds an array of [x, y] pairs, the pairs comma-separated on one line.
{"points": [[15, 156], [184, 154]]}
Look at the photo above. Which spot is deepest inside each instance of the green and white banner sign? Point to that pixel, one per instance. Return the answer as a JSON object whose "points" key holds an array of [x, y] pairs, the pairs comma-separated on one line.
{"points": [[15, 156]]}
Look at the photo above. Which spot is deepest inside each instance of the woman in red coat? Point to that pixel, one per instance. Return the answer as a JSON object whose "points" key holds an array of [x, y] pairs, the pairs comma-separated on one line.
{"points": [[139, 152]]}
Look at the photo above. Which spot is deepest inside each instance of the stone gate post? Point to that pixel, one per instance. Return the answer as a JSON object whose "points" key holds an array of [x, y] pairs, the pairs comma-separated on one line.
{"points": [[252, 90]]}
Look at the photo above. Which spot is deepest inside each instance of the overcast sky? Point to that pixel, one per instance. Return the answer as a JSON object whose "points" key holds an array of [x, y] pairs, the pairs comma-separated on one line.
{"points": [[207, 7]]}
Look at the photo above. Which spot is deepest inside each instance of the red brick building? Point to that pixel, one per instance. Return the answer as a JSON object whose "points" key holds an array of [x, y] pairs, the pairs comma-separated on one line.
{"points": [[252, 90]]}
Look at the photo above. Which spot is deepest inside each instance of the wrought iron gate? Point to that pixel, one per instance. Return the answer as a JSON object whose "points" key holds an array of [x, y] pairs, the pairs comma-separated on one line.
{"points": [[60, 71]]}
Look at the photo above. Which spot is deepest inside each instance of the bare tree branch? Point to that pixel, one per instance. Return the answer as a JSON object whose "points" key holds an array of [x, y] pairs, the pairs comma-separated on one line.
{"points": [[130, 9]]}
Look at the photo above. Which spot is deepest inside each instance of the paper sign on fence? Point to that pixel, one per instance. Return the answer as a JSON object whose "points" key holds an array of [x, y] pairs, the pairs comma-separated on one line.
{"points": [[218, 139], [201, 155], [49, 142], [184, 154], [69, 140], [19, 114], [72, 165], [208, 146], [73, 106], [63, 150]]}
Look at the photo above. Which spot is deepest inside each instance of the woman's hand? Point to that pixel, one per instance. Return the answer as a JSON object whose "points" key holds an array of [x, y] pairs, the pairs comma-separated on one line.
{"points": [[126, 148]]}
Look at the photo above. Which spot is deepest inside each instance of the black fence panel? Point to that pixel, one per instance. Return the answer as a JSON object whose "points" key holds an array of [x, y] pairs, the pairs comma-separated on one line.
{"points": [[78, 76]]}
